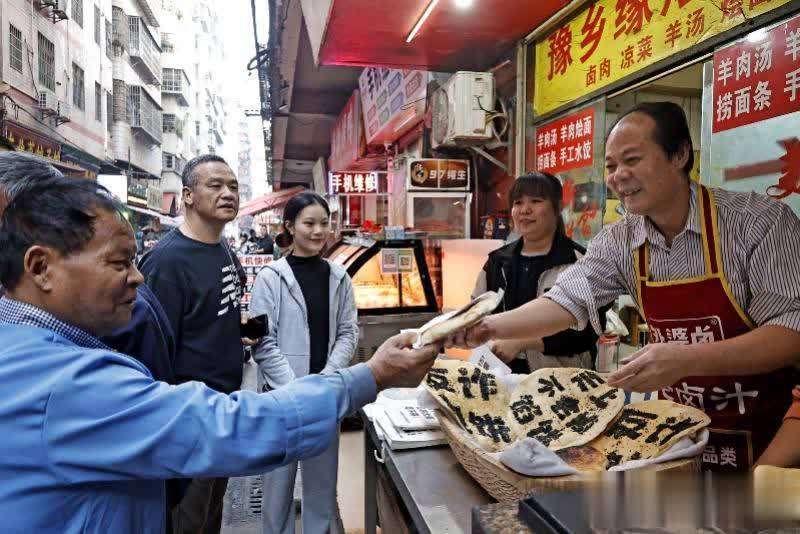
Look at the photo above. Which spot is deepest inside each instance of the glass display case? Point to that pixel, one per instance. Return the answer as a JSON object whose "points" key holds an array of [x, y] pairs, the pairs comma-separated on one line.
{"points": [[389, 277]]}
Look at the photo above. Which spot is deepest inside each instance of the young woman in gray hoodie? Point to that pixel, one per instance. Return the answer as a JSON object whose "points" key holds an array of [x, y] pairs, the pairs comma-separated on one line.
{"points": [[313, 328]]}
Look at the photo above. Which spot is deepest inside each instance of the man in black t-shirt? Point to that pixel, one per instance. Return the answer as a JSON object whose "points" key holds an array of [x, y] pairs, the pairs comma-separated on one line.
{"points": [[198, 280], [264, 243]]}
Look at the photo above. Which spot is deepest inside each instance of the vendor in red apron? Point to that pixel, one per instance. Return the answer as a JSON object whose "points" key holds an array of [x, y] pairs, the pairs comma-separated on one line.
{"points": [[716, 275]]}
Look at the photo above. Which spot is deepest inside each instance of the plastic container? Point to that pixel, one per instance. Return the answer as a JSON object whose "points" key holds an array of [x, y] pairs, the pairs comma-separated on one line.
{"points": [[607, 353]]}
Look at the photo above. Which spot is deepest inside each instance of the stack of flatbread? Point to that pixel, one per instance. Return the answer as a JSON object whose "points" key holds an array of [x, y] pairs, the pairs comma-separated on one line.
{"points": [[571, 411], [475, 398]]}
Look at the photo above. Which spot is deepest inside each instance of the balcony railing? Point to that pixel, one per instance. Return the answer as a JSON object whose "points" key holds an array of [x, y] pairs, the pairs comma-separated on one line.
{"points": [[144, 50], [149, 10], [175, 82], [144, 113]]}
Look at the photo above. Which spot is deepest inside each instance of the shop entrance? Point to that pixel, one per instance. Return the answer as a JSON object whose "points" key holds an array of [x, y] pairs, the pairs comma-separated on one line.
{"points": [[683, 87]]}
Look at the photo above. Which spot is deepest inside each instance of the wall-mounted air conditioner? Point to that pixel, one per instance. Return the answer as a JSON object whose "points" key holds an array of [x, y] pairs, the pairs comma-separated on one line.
{"points": [[461, 109]]}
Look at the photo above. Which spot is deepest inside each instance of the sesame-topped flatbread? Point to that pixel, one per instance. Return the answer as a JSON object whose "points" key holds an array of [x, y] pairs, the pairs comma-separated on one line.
{"points": [[475, 399], [647, 429], [563, 407], [451, 323]]}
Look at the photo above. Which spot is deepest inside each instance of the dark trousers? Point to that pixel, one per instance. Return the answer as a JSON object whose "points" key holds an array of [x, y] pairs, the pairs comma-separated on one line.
{"points": [[200, 510]]}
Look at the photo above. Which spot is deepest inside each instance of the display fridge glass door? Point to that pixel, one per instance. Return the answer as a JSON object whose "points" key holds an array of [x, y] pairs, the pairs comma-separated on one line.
{"points": [[443, 215]]}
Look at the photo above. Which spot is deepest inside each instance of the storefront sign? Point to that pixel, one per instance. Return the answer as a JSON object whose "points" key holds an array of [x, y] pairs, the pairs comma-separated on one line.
{"points": [[347, 135], [758, 78], [755, 144], [356, 183], [438, 174], [611, 39], [392, 101], [566, 143], [28, 141]]}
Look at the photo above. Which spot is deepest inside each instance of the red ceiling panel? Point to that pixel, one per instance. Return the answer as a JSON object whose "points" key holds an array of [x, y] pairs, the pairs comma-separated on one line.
{"points": [[373, 32]]}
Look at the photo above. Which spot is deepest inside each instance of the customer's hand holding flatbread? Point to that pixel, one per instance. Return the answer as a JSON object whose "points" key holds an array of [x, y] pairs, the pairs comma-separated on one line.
{"points": [[449, 324]]}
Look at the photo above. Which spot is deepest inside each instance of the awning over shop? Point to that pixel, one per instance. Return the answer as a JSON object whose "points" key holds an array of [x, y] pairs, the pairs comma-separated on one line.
{"points": [[369, 33], [165, 219], [169, 204], [82, 158], [273, 200]]}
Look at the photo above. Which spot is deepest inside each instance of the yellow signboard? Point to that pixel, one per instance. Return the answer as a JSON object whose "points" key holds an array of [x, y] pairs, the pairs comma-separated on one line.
{"points": [[611, 39]]}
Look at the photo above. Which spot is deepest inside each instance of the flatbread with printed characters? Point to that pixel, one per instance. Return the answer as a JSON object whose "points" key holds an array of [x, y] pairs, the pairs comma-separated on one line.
{"points": [[647, 429], [475, 399], [563, 407]]}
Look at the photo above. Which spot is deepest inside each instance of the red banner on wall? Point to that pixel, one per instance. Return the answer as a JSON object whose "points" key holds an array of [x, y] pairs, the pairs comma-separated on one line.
{"points": [[758, 77], [566, 143]]}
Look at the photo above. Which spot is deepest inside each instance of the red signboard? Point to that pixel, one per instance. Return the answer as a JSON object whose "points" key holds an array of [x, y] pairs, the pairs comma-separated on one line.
{"points": [[347, 135], [758, 77], [566, 143]]}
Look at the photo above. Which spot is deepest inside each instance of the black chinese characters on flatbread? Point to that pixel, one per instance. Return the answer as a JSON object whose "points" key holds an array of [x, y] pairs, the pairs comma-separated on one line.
{"points": [[563, 407], [451, 323], [474, 398], [648, 429]]}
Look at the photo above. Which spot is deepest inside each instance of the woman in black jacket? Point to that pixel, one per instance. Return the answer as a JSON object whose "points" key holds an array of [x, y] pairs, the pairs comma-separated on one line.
{"points": [[528, 267]]}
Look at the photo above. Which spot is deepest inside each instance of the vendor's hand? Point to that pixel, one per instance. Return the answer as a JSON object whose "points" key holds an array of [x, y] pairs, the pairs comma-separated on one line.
{"points": [[505, 349], [656, 366], [396, 364], [474, 336]]}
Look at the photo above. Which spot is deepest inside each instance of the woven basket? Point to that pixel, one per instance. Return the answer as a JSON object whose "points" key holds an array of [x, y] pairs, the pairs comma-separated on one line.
{"points": [[506, 485]]}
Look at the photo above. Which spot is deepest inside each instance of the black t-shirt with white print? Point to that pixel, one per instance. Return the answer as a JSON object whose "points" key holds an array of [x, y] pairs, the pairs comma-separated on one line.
{"points": [[199, 286]]}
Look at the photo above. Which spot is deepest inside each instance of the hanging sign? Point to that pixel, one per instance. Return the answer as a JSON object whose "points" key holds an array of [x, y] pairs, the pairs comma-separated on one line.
{"points": [[757, 78], [438, 174], [611, 39], [28, 141], [357, 183], [566, 143], [393, 102]]}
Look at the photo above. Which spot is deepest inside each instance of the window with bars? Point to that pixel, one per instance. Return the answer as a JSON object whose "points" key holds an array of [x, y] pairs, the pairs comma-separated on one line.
{"points": [[78, 88], [98, 102], [15, 48], [47, 63], [109, 40], [98, 25], [168, 161], [170, 122], [109, 111], [77, 12], [172, 80], [197, 128], [167, 43]]}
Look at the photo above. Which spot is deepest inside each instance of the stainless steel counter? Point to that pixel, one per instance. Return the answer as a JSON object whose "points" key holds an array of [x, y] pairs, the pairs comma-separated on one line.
{"points": [[438, 494]]}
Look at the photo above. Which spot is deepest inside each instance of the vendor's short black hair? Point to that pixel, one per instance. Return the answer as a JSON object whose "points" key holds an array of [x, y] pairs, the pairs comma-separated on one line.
{"points": [[671, 132], [189, 176], [55, 213]]}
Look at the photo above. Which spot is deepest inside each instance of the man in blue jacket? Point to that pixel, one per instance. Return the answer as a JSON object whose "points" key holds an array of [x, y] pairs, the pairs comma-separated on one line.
{"points": [[89, 435], [148, 337]]}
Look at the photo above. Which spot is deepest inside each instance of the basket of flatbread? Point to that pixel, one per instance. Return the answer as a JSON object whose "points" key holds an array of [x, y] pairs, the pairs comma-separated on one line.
{"points": [[580, 424]]}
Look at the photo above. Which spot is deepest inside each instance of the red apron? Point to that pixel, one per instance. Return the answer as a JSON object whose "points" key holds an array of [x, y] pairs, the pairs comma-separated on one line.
{"points": [[745, 411]]}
